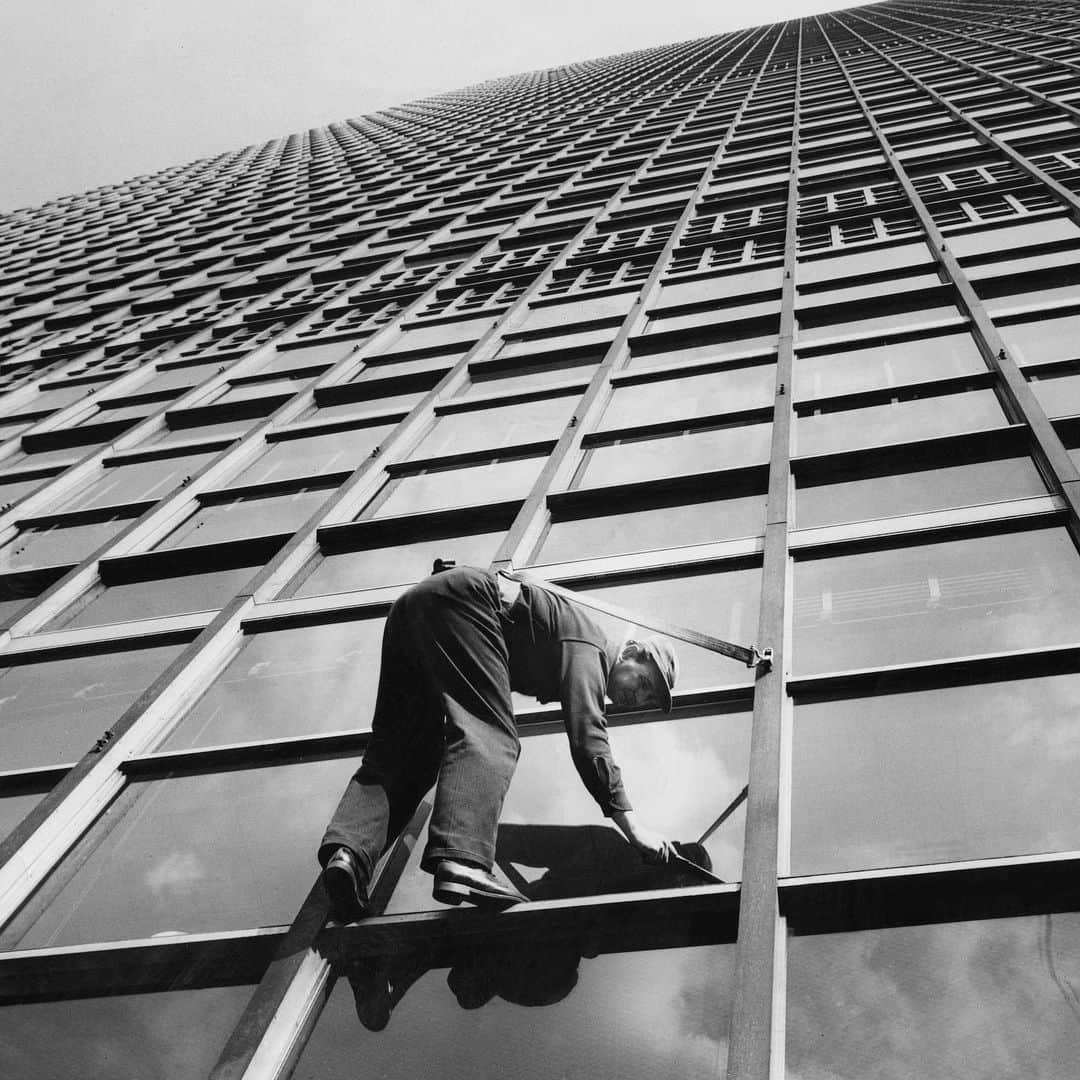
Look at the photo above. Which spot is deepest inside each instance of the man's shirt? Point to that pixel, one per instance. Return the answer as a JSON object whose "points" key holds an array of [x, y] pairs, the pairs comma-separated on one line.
{"points": [[557, 653]]}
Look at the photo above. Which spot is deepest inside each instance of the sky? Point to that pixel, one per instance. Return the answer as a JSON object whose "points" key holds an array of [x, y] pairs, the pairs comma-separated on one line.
{"points": [[98, 91]]}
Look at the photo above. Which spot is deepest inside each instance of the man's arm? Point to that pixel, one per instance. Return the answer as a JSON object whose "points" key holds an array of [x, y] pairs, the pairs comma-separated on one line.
{"points": [[653, 847], [582, 686]]}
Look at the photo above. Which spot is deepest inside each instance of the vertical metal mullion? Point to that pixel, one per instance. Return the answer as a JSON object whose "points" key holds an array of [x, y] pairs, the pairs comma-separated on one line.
{"points": [[758, 963], [522, 532], [1019, 398]]}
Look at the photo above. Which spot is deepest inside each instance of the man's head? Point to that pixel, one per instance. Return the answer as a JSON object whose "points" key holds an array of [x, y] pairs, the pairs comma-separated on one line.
{"points": [[643, 675]]}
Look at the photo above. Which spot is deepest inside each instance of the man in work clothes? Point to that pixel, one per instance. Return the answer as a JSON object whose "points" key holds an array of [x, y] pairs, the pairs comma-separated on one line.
{"points": [[454, 647]]}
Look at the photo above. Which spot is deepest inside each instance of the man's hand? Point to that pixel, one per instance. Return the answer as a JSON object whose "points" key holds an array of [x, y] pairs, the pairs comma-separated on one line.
{"points": [[652, 847]]}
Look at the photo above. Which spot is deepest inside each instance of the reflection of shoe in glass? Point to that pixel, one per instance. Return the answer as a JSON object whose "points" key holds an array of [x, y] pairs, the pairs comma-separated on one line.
{"points": [[345, 885], [371, 993], [456, 882]]}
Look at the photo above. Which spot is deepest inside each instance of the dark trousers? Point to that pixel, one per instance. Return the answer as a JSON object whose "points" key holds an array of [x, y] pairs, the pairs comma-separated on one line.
{"points": [[443, 715]]}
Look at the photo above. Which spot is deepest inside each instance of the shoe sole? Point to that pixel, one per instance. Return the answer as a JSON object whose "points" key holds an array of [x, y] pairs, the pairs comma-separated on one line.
{"points": [[450, 892], [339, 887]]}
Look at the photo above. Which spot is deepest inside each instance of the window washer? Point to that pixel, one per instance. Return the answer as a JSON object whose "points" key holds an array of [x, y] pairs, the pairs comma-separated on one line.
{"points": [[454, 647]]}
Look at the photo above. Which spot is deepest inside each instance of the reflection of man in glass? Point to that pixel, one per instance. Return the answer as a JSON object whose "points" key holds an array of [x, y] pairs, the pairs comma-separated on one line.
{"points": [[454, 647], [527, 976]]}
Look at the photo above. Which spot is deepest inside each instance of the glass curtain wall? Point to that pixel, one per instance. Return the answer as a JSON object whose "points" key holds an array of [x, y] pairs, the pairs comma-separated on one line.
{"points": [[769, 337]]}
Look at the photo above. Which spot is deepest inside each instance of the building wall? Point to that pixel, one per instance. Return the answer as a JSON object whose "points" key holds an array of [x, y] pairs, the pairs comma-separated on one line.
{"points": [[773, 335]]}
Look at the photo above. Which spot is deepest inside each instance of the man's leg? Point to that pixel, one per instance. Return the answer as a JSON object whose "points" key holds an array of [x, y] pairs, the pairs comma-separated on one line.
{"points": [[461, 646], [399, 766]]}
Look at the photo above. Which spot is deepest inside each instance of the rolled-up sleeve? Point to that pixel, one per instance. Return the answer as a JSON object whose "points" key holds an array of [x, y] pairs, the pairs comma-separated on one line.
{"points": [[582, 682]]}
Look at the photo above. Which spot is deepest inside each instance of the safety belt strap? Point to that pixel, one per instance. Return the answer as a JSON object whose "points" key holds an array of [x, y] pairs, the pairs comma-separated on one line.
{"points": [[749, 655]]}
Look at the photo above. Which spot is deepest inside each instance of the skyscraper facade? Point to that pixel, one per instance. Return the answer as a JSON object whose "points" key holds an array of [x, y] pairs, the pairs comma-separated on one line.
{"points": [[774, 335]]}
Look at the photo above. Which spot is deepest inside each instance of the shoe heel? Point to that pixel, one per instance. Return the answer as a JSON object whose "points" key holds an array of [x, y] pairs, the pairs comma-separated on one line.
{"points": [[449, 892]]}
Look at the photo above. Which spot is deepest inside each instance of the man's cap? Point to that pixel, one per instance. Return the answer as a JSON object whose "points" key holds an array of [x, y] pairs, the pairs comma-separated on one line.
{"points": [[661, 652]]}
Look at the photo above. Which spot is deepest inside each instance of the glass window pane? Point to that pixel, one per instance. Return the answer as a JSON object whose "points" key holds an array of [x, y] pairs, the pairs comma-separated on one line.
{"points": [[53, 712], [17, 590], [707, 320], [872, 260], [721, 603], [701, 450], [881, 323], [898, 421], [13, 808], [1043, 340], [141, 480], [262, 515], [1058, 393], [253, 391], [895, 364], [226, 429], [710, 393], [291, 459], [153, 599], [611, 309], [444, 337], [494, 428], [436, 366], [302, 681], [11, 491], [1010, 238], [62, 456], [57, 545], [108, 412], [194, 854], [935, 487], [180, 377], [327, 355], [148, 1036], [511, 380], [848, 291], [10, 428], [691, 354], [957, 598], [403, 563], [681, 774], [652, 528], [745, 346], [931, 776], [633, 1015], [51, 397], [350, 410], [439, 489], [1014, 300], [972, 999]]}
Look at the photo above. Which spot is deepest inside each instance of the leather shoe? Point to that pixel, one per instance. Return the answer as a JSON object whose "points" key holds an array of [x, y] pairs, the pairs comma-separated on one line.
{"points": [[345, 885], [456, 882]]}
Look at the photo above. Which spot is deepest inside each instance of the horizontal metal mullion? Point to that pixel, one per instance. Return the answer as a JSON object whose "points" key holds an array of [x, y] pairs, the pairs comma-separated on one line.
{"points": [[914, 895], [188, 962], [929, 674], [902, 457], [357, 536], [630, 921], [245, 755]]}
